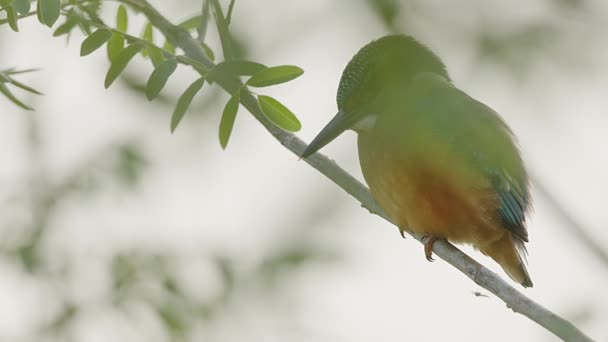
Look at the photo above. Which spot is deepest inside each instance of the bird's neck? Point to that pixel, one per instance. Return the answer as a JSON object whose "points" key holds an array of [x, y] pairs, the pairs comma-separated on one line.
{"points": [[366, 124]]}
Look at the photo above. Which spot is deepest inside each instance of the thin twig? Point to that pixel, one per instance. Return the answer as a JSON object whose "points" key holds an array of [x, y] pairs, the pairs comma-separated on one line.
{"points": [[472, 269]]}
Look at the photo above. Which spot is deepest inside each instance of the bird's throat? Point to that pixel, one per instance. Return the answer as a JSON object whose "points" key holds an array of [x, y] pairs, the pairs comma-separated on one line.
{"points": [[365, 124]]}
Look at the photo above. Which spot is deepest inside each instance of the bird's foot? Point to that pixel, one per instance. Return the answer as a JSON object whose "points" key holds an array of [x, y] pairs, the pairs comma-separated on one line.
{"points": [[428, 241], [402, 232]]}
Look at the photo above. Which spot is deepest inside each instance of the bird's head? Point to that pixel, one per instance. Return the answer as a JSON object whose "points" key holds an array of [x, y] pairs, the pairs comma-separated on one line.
{"points": [[383, 65]]}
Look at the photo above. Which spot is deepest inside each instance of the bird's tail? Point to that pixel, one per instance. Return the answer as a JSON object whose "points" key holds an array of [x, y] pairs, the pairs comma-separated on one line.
{"points": [[510, 253]]}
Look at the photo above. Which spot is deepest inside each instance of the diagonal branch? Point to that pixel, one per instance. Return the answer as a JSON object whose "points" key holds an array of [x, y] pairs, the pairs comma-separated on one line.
{"points": [[472, 269]]}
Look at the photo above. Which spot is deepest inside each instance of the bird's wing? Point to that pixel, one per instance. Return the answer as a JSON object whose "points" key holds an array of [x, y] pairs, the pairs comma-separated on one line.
{"points": [[478, 134]]}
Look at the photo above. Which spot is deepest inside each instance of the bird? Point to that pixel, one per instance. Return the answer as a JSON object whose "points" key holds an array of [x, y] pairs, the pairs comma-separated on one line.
{"points": [[438, 162]]}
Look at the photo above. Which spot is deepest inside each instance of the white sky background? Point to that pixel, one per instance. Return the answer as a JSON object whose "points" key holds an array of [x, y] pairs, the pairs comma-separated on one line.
{"points": [[198, 197]]}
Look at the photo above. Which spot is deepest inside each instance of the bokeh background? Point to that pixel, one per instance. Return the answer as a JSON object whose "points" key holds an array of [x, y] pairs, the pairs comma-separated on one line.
{"points": [[113, 229]]}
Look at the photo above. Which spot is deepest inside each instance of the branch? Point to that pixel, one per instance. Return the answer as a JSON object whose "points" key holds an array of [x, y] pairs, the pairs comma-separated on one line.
{"points": [[446, 251]]}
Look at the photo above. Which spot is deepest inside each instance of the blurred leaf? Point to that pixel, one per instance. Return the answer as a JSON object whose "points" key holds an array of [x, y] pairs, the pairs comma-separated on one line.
{"points": [[115, 45], [275, 75], [23, 86], [171, 285], [222, 29], [387, 10], [88, 11], [576, 5], [173, 321], [184, 102], [120, 63], [62, 321], [236, 68], [48, 11], [191, 24], [169, 47], [123, 272], [228, 274], [518, 49], [4, 90], [228, 117], [147, 35], [29, 255], [131, 162], [22, 6], [291, 257], [278, 114], [208, 52], [11, 16], [66, 27], [229, 13], [201, 28], [156, 55], [15, 72], [159, 77], [95, 41], [122, 19]]}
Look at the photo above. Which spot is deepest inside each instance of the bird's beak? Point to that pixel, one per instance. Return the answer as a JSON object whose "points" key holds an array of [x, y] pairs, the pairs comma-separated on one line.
{"points": [[340, 123]]}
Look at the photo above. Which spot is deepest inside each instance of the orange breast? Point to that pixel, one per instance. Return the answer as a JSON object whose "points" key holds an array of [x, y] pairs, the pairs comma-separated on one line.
{"points": [[426, 198]]}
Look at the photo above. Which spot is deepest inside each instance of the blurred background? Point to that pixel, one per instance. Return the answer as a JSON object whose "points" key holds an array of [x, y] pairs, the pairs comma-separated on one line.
{"points": [[113, 229]]}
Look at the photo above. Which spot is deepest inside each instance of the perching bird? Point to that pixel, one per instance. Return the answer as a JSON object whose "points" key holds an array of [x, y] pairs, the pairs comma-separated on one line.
{"points": [[438, 162]]}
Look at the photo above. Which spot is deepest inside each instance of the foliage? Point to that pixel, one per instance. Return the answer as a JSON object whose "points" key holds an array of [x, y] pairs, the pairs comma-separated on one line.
{"points": [[130, 270], [123, 47], [143, 277]]}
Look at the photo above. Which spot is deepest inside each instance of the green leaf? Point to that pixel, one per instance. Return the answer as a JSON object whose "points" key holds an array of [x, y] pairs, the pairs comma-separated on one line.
{"points": [[191, 23], [120, 63], [237, 68], [156, 55], [39, 12], [23, 86], [278, 114], [66, 27], [275, 75], [115, 45], [208, 51], [94, 41], [4, 90], [159, 77], [147, 35], [48, 11], [169, 47], [11, 16], [184, 102], [16, 72], [122, 19], [228, 117], [22, 6]]}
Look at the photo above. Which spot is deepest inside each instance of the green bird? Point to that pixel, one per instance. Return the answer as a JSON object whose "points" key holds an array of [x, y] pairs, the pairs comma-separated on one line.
{"points": [[438, 162]]}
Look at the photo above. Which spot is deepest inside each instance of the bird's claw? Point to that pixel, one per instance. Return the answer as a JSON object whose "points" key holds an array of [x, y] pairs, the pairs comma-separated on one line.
{"points": [[428, 241]]}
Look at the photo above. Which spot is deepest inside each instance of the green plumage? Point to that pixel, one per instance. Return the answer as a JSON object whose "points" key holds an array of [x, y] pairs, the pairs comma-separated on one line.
{"points": [[431, 111], [439, 162]]}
